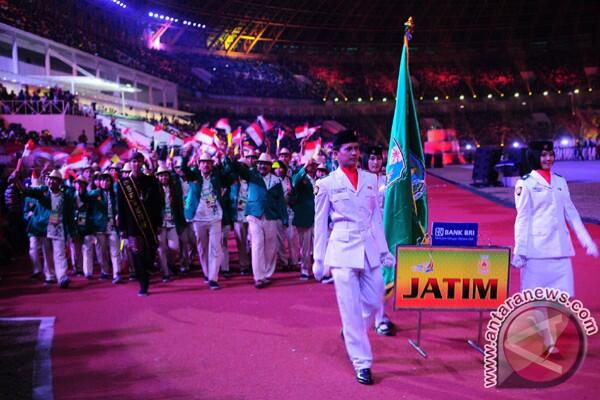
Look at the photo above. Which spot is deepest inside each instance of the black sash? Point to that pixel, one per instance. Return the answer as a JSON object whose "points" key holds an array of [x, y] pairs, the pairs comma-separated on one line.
{"points": [[138, 211]]}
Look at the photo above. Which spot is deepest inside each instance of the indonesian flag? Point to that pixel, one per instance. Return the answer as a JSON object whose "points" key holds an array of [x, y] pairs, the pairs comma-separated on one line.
{"points": [[265, 124], [256, 133], [223, 124], [60, 157], [77, 161], [105, 163], [105, 146], [205, 136], [29, 146], [159, 128], [236, 136], [304, 131], [312, 149], [45, 152], [301, 131]]}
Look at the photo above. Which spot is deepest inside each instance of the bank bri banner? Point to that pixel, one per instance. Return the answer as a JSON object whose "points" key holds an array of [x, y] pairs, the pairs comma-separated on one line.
{"points": [[454, 234]]}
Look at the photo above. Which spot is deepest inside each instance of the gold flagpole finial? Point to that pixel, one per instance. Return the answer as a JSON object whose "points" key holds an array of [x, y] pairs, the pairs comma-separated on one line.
{"points": [[409, 26]]}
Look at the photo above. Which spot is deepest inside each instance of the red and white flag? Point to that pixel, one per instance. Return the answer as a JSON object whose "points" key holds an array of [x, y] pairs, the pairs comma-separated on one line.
{"points": [[236, 136], [256, 133], [265, 124], [205, 136], [105, 163], [304, 131], [77, 161], [29, 146], [158, 128], [223, 124], [105, 146], [312, 149]]}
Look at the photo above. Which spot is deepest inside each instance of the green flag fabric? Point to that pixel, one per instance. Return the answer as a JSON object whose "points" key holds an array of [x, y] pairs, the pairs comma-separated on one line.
{"points": [[405, 209]]}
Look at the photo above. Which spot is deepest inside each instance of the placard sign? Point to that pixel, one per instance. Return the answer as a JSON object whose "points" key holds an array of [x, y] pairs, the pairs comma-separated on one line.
{"points": [[451, 278], [454, 234]]}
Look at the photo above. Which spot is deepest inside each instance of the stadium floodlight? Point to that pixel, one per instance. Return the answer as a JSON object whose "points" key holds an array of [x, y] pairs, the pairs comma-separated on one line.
{"points": [[589, 89], [360, 99], [517, 94], [461, 97], [176, 20], [436, 98], [490, 96], [474, 96], [516, 145], [545, 93], [203, 26], [336, 99], [162, 17], [151, 14], [185, 22], [564, 142], [462, 106], [576, 91], [468, 146]]}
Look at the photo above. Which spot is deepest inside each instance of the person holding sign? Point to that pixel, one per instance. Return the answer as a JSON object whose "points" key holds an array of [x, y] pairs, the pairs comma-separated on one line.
{"points": [[354, 251], [543, 247]]}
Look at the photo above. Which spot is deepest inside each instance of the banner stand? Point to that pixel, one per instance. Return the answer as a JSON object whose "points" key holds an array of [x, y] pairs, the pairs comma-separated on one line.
{"points": [[417, 344], [477, 345]]}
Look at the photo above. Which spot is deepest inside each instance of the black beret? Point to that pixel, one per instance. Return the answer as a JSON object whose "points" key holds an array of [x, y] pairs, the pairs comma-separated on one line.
{"points": [[540, 145], [343, 137]]}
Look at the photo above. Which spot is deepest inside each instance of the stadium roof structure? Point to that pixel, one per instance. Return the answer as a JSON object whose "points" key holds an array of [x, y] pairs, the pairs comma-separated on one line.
{"points": [[276, 26]]}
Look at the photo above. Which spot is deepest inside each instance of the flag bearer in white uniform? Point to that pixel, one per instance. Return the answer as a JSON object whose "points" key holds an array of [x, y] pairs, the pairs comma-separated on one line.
{"points": [[354, 251], [543, 247]]}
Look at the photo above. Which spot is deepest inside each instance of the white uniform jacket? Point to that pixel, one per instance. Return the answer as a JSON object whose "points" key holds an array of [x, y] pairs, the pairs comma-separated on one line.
{"points": [[357, 224], [542, 209]]}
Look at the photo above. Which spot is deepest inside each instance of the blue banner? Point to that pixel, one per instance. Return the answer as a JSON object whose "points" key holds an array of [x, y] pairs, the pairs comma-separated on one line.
{"points": [[454, 234]]}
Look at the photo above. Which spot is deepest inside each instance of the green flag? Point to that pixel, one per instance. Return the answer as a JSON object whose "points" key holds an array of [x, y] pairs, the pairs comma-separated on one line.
{"points": [[405, 210]]}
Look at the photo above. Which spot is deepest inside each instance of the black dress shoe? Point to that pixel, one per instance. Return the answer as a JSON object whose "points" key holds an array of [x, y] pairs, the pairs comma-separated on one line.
{"points": [[363, 376]]}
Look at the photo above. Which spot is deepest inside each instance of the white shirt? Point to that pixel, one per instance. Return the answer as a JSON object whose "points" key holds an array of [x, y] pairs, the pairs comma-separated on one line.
{"points": [[209, 209]]}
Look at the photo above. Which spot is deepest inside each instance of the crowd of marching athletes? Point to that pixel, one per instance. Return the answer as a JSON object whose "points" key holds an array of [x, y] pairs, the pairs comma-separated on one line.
{"points": [[150, 215]]}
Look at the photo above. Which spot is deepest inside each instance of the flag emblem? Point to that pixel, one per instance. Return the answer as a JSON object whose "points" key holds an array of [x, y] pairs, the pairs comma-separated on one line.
{"points": [[396, 169]]}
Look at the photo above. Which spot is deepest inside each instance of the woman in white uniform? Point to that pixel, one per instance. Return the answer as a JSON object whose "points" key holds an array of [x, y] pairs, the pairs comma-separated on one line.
{"points": [[543, 247]]}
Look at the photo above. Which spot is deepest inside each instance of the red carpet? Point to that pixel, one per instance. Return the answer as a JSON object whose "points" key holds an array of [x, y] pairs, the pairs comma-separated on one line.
{"points": [[186, 342]]}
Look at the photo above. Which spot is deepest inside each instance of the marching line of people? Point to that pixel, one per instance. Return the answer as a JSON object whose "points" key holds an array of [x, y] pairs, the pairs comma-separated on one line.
{"points": [[157, 216]]}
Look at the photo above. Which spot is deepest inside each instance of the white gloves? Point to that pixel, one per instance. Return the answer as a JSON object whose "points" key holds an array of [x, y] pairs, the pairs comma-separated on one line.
{"points": [[318, 270], [387, 259], [518, 261], [591, 249]]}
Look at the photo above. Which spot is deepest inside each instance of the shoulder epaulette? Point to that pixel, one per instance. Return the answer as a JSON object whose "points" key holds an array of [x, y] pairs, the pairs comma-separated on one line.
{"points": [[554, 173]]}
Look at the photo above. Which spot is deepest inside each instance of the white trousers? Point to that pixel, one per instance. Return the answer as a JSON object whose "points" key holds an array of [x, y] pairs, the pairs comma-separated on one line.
{"points": [[108, 245], [264, 246], [208, 242], [287, 255], [59, 255], [240, 230], [359, 294], [75, 244], [87, 248], [305, 239], [225, 250], [40, 252], [187, 243], [168, 246]]}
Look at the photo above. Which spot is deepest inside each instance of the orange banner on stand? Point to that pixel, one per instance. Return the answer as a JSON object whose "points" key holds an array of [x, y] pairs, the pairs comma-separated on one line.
{"points": [[462, 278]]}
